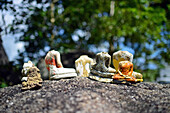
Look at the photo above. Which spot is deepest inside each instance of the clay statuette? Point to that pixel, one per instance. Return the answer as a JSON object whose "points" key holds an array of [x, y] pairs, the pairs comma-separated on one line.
{"points": [[55, 67], [83, 65], [121, 56], [125, 71], [102, 71], [122, 61], [31, 77]]}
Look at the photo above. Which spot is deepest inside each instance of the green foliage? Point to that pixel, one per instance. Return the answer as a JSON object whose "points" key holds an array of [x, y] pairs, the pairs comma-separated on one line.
{"points": [[3, 83], [150, 75], [143, 25]]}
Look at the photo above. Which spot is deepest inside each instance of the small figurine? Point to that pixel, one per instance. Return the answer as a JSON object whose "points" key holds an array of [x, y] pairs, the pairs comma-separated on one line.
{"points": [[121, 61], [102, 71], [121, 56], [125, 72], [55, 67], [31, 77], [103, 61], [83, 65]]}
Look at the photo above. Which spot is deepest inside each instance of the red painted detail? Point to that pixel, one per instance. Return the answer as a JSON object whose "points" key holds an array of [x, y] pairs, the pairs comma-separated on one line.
{"points": [[50, 61], [48, 68], [59, 66]]}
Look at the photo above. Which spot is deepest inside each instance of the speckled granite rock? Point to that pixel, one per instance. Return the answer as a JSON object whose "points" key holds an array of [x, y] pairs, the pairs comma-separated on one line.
{"points": [[82, 95]]}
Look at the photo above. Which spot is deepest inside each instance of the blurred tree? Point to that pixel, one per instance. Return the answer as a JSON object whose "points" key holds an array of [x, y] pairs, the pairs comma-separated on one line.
{"points": [[8, 72], [72, 24]]}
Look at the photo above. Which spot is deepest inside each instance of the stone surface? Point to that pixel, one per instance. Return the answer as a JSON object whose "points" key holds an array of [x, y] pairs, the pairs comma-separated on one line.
{"points": [[82, 95], [55, 67], [31, 77], [121, 56], [83, 65]]}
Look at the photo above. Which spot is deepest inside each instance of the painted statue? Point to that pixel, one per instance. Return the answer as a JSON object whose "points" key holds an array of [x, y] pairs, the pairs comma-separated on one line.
{"points": [[55, 67]]}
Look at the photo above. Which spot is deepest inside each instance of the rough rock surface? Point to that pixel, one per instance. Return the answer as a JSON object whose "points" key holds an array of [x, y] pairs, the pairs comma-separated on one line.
{"points": [[80, 95]]}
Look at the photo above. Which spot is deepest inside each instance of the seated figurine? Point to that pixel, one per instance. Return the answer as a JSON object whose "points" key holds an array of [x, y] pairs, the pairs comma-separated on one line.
{"points": [[55, 67], [102, 71], [125, 71], [31, 77], [125, 56], [83, 65]]}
